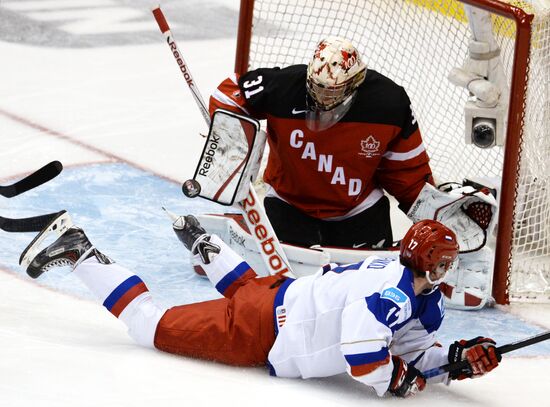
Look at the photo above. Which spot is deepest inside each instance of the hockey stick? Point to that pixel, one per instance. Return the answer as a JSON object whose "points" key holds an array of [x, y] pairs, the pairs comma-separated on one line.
{"points": [[449, 367], [39, 177], [270, 248], [33, 224]]}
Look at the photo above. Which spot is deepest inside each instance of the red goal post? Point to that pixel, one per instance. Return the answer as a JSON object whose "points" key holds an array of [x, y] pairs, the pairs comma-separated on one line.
{"points": [[416, 43]]}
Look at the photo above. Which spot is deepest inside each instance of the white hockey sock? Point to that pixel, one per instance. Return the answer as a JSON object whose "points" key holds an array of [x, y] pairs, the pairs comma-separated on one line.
{"points": [[226, 269], [125, 295]]}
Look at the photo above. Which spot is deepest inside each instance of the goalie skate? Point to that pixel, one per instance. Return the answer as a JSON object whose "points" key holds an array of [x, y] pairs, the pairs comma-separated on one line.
{"points": [[69, 249], [193, 236]]}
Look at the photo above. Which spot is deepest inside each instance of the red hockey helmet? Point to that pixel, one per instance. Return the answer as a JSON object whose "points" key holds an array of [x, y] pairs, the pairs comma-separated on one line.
{"points": [[429, 246]]}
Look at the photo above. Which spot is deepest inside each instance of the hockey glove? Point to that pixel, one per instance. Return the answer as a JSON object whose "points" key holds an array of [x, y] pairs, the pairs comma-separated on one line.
{"points": [[481, 354], [406, 380]]}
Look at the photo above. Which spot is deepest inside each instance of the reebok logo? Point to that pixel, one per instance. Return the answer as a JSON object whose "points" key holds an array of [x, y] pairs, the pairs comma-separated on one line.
{"points": [[236, 237], [208, 155], [179, 60], [263, 235], [295, 111]]}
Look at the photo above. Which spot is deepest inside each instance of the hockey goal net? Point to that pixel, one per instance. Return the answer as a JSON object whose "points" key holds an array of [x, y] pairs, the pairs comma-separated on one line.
{"points": [[416, 43]]}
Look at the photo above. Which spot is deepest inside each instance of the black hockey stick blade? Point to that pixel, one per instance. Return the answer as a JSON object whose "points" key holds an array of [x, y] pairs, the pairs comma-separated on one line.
{"points": [[39, 177], [449, 367], [33, 224]]}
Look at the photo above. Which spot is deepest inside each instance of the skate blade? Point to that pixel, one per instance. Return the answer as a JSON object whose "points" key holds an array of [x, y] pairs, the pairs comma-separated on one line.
{"points": [[178, 222], [57, 226]]}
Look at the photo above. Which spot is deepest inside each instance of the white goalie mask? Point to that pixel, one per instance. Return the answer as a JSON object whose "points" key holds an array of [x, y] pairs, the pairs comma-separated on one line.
{"points": [[333, 75]]}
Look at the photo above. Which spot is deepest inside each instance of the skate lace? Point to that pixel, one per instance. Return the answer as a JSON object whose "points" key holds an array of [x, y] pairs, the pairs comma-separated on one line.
{"points": [[61, 262], [200, 239]]}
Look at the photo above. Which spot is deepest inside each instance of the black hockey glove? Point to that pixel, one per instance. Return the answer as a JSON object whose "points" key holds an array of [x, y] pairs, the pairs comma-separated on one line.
{"points": [[406, 380], [481, 354]]}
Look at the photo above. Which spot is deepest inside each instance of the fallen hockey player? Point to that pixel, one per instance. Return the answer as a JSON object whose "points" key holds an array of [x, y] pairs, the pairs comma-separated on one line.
{"points": [[376, 319]]}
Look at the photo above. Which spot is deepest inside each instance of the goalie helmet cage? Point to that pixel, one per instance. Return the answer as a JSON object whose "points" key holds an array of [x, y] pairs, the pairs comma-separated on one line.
{"points": [[416, 43]]}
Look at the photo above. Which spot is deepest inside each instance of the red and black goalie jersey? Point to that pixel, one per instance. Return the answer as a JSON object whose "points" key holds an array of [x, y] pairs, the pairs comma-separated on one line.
{"points": [[340, 171]]}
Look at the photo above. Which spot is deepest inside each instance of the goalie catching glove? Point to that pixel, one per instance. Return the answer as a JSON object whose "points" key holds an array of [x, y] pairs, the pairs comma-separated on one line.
{"points": [[406, 380], [481, 354], [467, 211]]}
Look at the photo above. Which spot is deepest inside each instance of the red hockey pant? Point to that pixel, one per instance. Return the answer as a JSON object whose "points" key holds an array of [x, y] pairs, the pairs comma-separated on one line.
{"points": [[236, 331]]}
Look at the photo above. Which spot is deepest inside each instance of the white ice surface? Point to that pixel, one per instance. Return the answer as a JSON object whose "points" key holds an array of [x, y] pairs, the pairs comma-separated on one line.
{"points": [[60, 351], [129, 103]]}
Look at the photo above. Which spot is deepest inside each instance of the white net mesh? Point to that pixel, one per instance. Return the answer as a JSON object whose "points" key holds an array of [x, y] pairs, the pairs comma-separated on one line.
{"points": [[416, 43], [530, 269]]}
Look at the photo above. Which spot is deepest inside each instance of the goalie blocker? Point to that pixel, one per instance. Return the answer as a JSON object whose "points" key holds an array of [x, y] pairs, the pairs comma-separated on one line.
{"points": [[230, 159]]}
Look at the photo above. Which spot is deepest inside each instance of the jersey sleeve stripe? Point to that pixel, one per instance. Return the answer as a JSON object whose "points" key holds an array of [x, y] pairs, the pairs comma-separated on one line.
{"points": [[394, 156], [359, 359], [341, 269], [223, 98], [362, 370]]}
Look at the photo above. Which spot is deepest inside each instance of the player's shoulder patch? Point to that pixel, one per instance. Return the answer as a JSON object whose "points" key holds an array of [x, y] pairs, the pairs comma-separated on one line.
{"points": [[391, 306], [395, 295]]}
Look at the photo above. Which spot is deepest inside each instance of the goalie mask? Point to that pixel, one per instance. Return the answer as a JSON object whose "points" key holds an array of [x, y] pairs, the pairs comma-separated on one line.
{"points": [[430, 247], [333, 75]]}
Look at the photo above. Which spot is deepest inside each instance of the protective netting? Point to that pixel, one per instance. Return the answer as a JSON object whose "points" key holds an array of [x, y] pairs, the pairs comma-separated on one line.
{"points": [[530, 263], [416, 43]]}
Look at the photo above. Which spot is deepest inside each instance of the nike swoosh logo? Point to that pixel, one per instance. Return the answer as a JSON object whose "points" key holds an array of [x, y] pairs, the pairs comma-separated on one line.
{"points": [[294, 111], [357, 246]]}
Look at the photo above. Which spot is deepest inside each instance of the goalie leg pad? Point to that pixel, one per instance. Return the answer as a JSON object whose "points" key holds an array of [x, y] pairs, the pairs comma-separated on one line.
{"points": [[469, 286]]}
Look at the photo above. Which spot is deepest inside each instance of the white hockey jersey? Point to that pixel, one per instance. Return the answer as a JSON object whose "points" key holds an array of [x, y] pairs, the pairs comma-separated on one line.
{"points": [[352, 319]]}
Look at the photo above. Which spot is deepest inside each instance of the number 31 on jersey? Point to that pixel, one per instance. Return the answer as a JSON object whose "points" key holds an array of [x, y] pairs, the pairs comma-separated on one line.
{"points": [[252, 87]]}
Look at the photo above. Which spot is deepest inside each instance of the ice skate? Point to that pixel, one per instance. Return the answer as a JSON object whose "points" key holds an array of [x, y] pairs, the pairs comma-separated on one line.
{"points": [[70, 249], [193, 236]]}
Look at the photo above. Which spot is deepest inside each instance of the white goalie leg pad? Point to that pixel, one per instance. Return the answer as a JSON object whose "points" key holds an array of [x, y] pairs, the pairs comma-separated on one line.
{"points": [[469, 286], [467, 211]]}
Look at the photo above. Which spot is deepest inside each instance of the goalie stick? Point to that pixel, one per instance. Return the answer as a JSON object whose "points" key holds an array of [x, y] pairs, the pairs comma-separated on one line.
{"points": [[269, 246], [449, 367], [39, 177]]}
